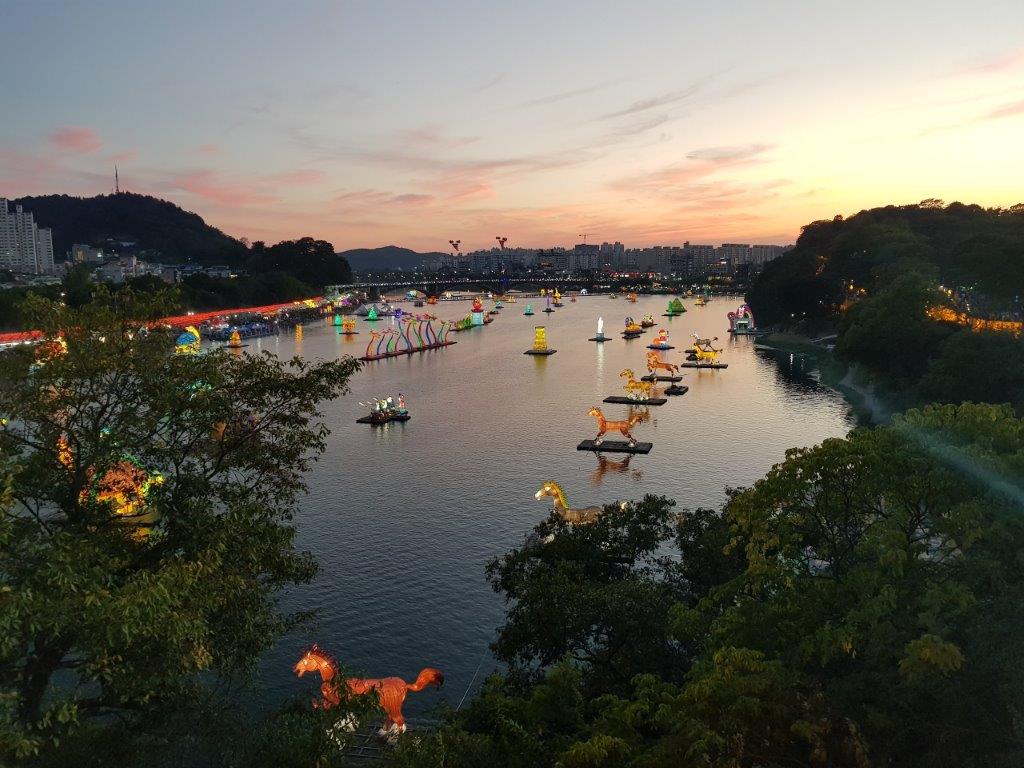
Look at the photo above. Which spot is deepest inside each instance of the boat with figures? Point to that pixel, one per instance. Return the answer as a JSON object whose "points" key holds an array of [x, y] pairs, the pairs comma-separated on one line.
{"points": [[252, 330], [647, 321]]}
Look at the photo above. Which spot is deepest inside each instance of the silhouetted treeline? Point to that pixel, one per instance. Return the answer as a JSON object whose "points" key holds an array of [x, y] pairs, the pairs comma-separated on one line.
{"points": [[956, 244], [172, 234], [873, 277]]}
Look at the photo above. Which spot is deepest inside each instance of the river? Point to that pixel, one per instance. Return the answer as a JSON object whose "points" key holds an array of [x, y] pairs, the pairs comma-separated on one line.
{"points": [[403, 518]]}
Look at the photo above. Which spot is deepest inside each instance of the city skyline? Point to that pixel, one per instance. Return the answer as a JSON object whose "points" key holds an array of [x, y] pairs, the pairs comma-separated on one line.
{"points": [[409, 124]]}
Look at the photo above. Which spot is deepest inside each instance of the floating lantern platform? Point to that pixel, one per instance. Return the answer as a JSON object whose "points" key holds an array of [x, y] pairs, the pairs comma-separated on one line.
{"points": [[620, 400], [378, 420], [614, 446], [673, 379], [675, 389]]}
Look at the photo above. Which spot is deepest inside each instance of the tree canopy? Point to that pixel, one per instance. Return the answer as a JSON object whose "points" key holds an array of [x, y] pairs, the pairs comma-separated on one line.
{"points": [[145, 528]]}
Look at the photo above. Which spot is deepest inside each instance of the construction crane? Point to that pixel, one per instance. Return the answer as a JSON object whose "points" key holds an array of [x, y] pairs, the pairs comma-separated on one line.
{"points": [[585, 235]]}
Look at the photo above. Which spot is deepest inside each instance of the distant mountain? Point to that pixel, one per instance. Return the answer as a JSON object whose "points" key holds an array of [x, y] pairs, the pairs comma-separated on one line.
{"points": [[387, 257], [164, 230]]}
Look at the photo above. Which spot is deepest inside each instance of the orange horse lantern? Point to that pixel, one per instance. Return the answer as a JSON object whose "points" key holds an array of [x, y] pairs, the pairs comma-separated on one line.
{"points": [[391, 691]]}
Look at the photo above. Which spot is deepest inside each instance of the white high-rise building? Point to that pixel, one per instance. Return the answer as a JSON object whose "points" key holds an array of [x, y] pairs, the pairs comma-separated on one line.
{"points": [[24, 247]]}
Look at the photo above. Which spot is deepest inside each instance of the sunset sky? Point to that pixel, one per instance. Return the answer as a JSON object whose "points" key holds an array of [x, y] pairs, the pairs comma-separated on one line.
{"points": [[412, 123]]}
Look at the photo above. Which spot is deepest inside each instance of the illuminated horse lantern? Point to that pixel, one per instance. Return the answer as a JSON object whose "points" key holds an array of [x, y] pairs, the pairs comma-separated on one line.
{"points": [[560, 505], [391, 691], [654, 364]]}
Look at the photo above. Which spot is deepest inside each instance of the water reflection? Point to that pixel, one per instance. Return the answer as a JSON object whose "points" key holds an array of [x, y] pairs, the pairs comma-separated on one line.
{"points": [[606, 465]]}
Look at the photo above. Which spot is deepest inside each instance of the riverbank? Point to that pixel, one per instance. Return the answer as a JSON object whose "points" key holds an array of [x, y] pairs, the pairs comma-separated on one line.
{"points": [[845, 379]]}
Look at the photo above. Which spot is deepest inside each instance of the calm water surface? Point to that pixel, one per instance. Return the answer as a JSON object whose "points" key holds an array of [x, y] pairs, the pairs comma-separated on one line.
{"points": [[403, 518]]}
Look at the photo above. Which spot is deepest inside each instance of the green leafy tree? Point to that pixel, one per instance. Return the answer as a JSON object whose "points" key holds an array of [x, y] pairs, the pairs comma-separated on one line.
{"points": [[976, 366], [891, 333], [597, 593], [307, 259], [146, 532]]}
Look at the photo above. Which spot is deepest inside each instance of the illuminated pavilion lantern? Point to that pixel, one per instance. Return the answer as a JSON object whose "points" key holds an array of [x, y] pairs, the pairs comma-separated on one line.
{"points": [[600, 331], [529, 309], [478, 312], [540, 342]]}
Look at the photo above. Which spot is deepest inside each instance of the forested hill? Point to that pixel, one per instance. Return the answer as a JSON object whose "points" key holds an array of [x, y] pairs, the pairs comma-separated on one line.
{"points": [[956, 244], [158, 227], [385, 258]]}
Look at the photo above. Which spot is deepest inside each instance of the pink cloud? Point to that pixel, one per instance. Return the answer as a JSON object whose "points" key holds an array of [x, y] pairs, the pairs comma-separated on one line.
{"points": [[208, 149], [372, 199], [1007, 110], [211, 186], [1004, 63], [298, 178], [124, 157], [71, 138]]}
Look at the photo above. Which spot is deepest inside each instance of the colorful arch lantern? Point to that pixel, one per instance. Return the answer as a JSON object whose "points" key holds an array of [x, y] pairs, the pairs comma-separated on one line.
{"points": [[390, 691], [529, 310], [741, 321]]}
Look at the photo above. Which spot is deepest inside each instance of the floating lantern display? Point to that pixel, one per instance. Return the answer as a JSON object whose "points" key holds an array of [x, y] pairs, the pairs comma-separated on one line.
{"points": [[188, 342], [675, 307], [372, 314], [600, 331], [741, 322], [235, 342], [623, 427], [540, 343], [632, 330], [560, 505], [390, 691], [661, 342], [337, 320], [529, 310], [647, 321], [348, 326], [703, 355]]}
